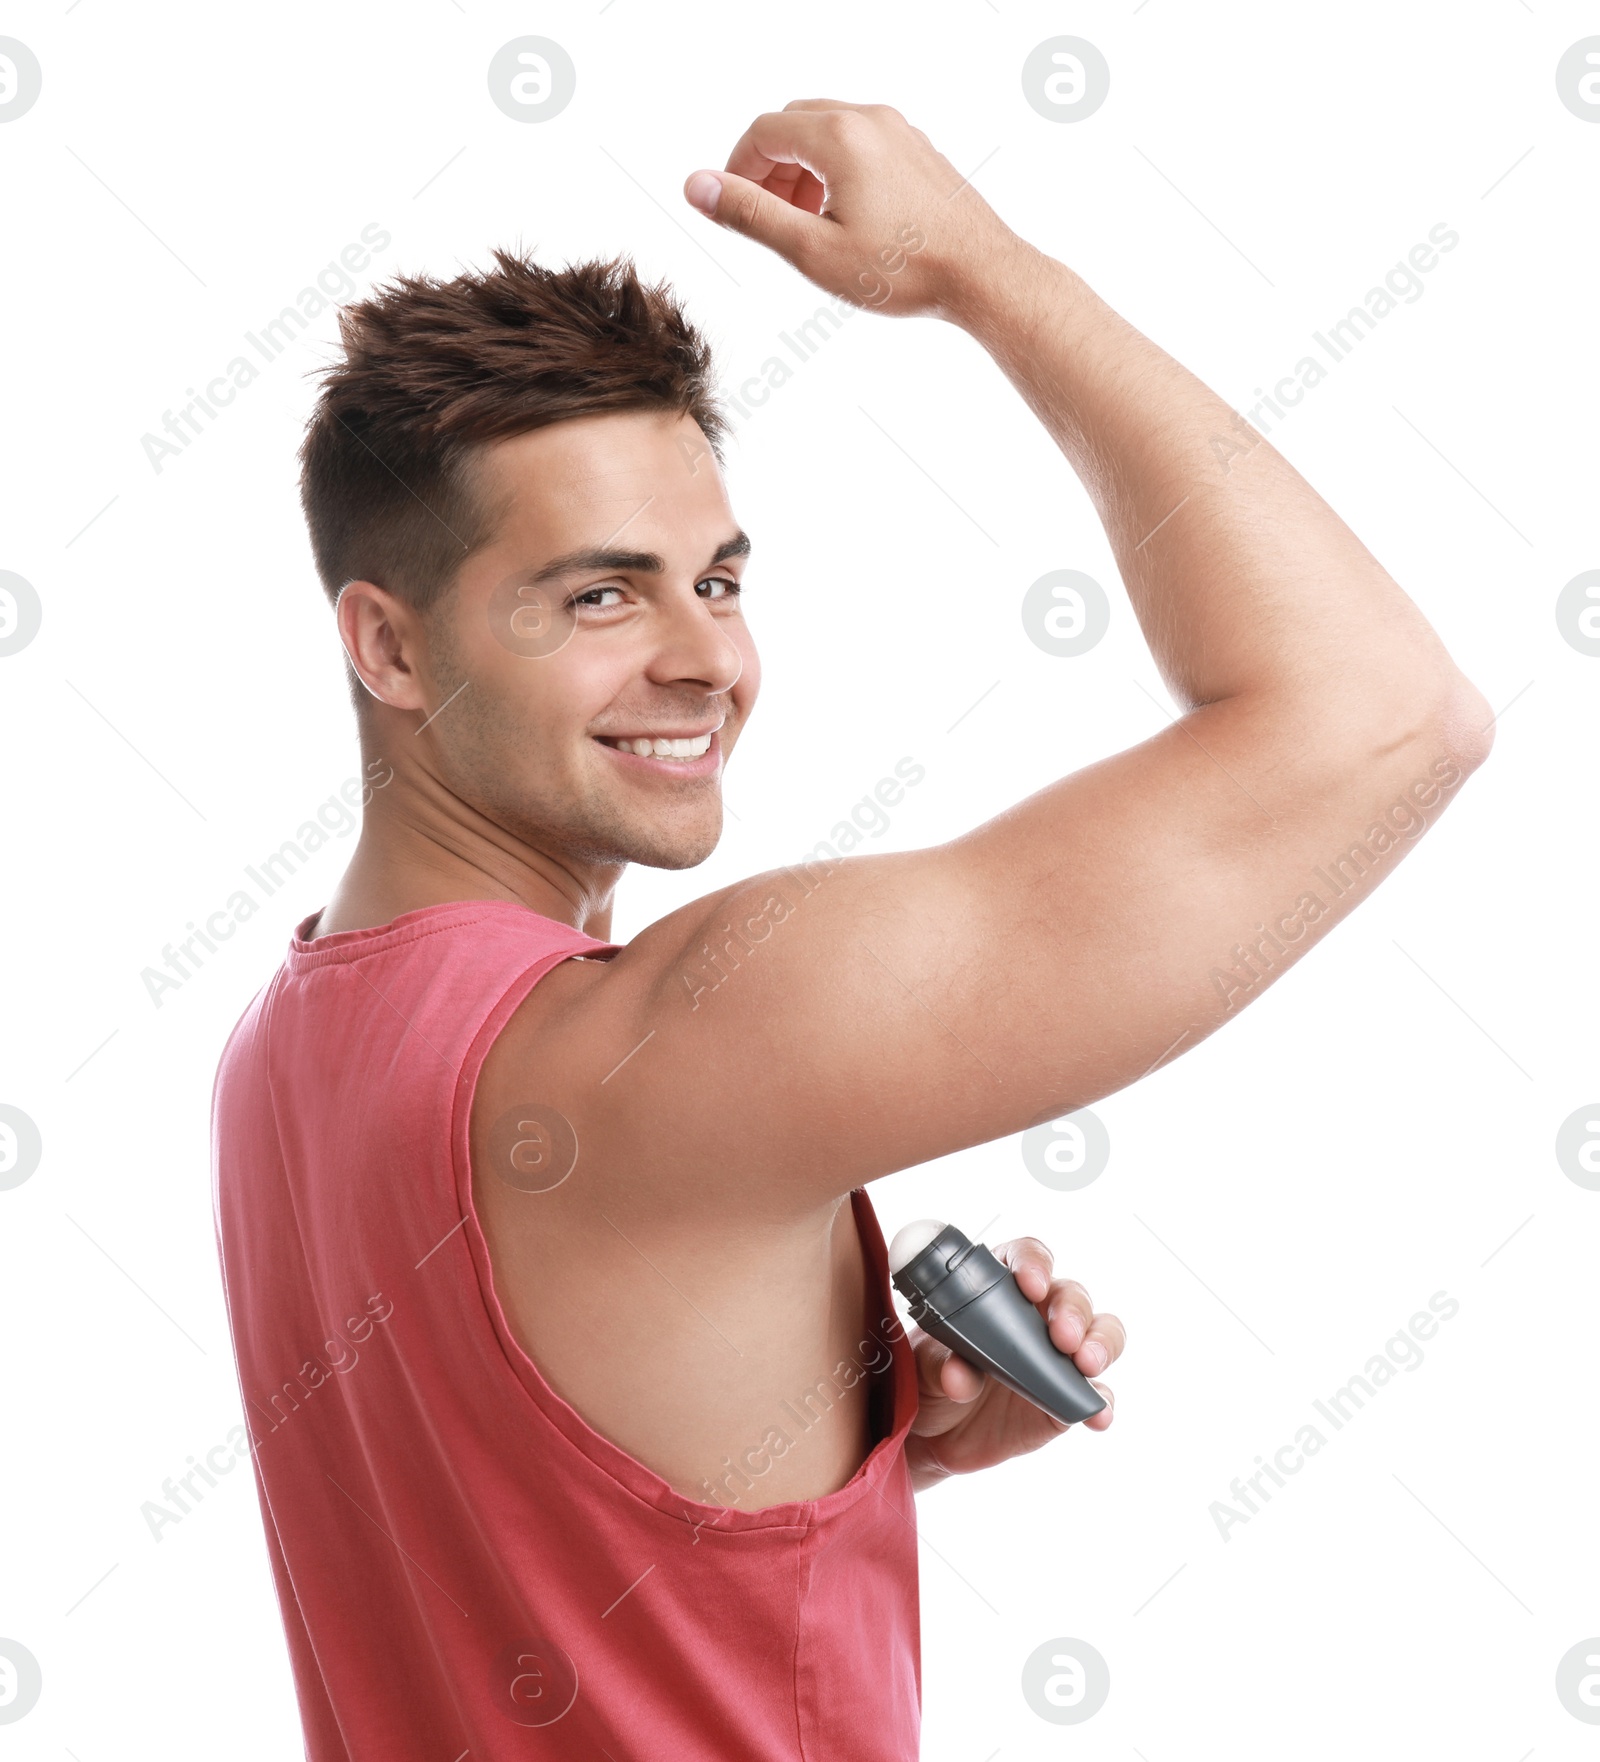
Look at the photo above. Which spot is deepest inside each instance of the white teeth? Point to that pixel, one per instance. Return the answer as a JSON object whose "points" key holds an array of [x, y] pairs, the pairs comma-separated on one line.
{"points": [[667, 749]]}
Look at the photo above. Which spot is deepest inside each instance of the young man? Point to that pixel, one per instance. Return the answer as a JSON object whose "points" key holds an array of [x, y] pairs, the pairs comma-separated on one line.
{"points": [[560, 1308]]}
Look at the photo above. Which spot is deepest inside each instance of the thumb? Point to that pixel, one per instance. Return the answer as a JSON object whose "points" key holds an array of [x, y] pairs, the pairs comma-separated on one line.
{"points": [[744, 207]]}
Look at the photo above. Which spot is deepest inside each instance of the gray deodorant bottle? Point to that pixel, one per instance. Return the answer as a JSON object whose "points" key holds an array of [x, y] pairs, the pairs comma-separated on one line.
{"points": [[967, 1299]]}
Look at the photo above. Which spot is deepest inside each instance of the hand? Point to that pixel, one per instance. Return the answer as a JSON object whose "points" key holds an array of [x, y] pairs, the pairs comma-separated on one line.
{"points": [[966, 1420], [858, 201]]}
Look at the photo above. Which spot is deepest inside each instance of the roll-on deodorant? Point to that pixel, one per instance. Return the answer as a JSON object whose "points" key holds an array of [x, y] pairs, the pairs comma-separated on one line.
{"points": [[967, 1299]]}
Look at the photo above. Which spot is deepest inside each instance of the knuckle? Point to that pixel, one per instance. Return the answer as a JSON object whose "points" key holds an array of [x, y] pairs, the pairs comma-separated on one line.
{"points": [[930, 1353], [1111, 1347], [737, 207]]}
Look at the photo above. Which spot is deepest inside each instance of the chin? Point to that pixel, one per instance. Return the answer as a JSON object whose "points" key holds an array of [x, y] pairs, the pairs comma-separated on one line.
{"points": [[678, 852], [628, 841]]}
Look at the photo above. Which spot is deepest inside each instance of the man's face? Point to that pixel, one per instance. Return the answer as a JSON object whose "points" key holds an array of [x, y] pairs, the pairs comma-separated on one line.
{"points": [[643, 639]]}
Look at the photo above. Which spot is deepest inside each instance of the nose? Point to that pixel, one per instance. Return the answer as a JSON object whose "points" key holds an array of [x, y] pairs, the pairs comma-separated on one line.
{"points": [[694, 646]]}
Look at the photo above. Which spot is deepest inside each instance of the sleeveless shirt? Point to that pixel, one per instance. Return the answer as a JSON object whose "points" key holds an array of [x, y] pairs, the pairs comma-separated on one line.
{"points": [[465, 1568]]}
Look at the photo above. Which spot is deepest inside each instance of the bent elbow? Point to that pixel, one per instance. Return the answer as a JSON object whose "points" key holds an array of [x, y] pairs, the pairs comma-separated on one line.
{"points": [[1466, 724], [1445, 712]]}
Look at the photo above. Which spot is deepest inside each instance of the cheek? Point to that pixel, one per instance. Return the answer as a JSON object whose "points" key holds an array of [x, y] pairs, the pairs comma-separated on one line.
{"points": [[525, 710], [582, 687]]}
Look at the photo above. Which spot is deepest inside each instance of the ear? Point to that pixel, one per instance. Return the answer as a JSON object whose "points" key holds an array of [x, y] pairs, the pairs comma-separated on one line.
{"points": [[383, 638]]}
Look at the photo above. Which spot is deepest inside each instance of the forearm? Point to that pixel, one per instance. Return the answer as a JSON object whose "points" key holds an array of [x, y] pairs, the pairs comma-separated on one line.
{"points": [[1249, 588], [1244, 580]]}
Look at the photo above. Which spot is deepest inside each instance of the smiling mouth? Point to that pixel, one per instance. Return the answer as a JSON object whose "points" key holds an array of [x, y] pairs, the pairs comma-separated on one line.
{"points": [[681, 748], [654, 747]]}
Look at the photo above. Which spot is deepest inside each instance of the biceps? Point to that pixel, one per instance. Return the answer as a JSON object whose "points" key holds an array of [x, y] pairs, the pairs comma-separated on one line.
{"points": [[1139, 905], [819, 1027]]}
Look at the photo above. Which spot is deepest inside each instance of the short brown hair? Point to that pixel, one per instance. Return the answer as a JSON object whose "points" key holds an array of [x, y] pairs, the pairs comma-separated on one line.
{"points": [[433, 371]]}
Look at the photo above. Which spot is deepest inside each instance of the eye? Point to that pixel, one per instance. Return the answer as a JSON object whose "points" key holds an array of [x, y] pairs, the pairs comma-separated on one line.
{"points": [[719, 581], [590, 597]]}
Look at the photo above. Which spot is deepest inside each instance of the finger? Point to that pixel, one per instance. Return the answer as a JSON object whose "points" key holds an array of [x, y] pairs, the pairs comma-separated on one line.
{"points": [[798, 187], [1069, 1314], [825, 104], [1102, 1344], [745, 207], [886, 111], [959, 1380], [1097, 1422], [942, 1374], [1031, 1264], [788, 137]]}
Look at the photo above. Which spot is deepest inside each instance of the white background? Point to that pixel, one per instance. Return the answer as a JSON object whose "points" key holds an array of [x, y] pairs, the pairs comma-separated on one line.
{"points": [[1379, 1127]]}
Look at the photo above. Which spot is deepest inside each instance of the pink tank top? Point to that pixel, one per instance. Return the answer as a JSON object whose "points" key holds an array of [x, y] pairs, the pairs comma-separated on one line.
{"points": [[466, 1569]]}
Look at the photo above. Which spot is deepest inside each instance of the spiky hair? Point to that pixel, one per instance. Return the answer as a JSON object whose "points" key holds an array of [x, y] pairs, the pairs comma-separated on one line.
{"points": [[433, 371]]}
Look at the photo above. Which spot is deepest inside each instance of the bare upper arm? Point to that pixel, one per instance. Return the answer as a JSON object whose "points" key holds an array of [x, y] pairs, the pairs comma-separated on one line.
{"points": [[807, 1031]]}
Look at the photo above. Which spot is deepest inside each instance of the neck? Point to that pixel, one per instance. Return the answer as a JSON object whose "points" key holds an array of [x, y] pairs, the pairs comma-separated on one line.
{"points": [[419, 847]]}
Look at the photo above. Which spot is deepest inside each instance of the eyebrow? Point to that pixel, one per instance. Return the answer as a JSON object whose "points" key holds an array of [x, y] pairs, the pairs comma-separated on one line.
{"points": [[636, 562]]}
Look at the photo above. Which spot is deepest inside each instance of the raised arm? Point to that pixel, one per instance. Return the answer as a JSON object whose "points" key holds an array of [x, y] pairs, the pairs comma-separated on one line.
{"points": [[813, 1030]]}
